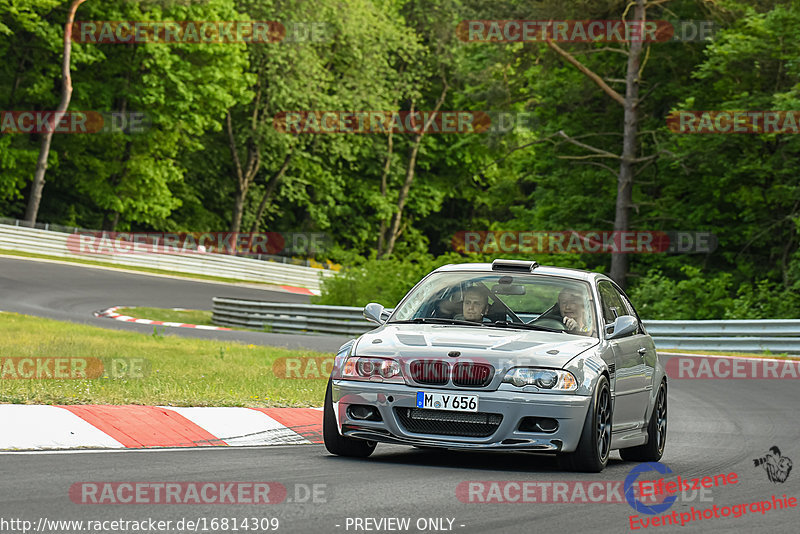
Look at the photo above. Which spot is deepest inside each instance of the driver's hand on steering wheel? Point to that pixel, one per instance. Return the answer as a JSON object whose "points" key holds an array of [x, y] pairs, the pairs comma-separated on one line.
{"points": [[571, 324]]}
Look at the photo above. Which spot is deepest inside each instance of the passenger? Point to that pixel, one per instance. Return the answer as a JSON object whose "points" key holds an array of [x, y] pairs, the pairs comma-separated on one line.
{"points": [[573, 311], [476, 305]]}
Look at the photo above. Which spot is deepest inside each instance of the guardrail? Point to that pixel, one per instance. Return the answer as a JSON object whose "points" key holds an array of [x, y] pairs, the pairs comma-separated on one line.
{"points": [[761, 327], [774, 335], [50, 243], [290, 318], [291, 260]]}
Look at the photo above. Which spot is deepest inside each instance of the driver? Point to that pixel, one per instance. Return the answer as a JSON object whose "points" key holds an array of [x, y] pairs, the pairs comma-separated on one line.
{"points": [[476, 305], [573, 311]]}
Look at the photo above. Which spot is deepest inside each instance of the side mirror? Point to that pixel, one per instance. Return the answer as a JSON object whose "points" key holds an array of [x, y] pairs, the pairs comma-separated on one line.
{"points": [[375, 313], [624, 325]]}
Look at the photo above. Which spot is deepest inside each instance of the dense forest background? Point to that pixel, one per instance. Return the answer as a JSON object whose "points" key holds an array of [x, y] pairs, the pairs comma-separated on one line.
{"points": [[212, 160]]}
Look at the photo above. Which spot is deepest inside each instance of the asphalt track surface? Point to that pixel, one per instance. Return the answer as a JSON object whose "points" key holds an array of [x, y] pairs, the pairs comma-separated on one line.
{"points": [[73, 292], [715, 427]]}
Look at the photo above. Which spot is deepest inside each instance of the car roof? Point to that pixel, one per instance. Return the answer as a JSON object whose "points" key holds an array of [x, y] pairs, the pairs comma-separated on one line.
{"points": [[576, 274]]}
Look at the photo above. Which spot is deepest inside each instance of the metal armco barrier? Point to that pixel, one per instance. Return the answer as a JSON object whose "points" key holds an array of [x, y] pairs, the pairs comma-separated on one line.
{"points": [[777, 345], [758, 335], [23, 239], [774, 335], [290, 318], [730, 328]]}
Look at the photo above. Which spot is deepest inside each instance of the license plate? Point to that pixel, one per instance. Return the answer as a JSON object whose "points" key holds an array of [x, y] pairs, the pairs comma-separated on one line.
{"points": [[440, 401]]}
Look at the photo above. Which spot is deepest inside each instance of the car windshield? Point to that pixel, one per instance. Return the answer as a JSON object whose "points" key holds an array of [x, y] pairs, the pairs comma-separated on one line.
{"points": [[500, 300]]}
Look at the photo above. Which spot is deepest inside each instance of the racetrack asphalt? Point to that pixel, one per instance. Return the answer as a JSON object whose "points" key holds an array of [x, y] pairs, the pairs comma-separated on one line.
{"points": [[72, 292], [715, 427]]}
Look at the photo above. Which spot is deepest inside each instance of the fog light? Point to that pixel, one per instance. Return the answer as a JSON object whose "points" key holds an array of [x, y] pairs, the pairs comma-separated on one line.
{"points": [[538, 424], [363, 412]]}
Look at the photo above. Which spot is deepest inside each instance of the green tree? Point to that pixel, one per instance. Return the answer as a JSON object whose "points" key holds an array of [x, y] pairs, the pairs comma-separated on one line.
{"points": [[343, 68]]}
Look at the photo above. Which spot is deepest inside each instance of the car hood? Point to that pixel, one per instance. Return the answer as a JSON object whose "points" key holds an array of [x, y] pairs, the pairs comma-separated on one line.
{"points": [[501, 347]]}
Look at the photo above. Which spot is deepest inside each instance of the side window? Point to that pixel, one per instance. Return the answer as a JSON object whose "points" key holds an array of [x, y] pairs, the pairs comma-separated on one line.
{"points": [[632, 311], [611, 301]]}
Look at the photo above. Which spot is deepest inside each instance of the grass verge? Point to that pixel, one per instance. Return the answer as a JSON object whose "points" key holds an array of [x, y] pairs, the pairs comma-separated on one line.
{"points": [[169, 315], [179, 371]]}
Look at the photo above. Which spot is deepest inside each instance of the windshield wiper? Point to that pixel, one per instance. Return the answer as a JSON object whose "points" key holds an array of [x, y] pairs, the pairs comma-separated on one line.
{"points": [[437, 320], [525, 326]]}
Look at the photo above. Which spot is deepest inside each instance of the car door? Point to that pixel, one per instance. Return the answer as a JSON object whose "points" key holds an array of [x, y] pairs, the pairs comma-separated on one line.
{"points": [[646, 349], [630, 387]]}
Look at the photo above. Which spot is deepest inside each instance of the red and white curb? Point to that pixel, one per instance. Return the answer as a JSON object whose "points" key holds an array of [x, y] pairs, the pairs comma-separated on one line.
{"points": [[111, 313], [301, 290], [27, 427]]}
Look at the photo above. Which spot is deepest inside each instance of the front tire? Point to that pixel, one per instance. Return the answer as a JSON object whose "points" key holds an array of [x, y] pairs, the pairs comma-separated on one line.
{"points": [[594, 448], [653, 450], [335, 442]]}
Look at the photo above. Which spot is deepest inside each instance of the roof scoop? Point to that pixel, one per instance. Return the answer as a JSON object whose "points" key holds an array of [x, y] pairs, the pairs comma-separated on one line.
{"points": [[519, 266]]}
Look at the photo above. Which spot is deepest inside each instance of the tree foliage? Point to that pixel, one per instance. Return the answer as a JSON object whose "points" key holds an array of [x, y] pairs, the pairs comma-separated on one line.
{"points": [[403, 198]]}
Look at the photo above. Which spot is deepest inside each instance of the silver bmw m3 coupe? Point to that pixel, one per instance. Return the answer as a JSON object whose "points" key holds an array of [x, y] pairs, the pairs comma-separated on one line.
{"points": [[503, 356]]}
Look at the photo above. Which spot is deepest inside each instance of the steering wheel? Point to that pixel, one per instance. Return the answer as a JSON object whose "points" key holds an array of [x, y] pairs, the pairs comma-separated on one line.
{"points": [[549, 322]]}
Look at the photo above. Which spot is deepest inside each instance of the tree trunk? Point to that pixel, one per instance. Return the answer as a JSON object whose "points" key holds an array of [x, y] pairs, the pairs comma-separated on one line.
{"points": [[630, 103], [384, 180], [394, 229], [37, 186], [244, 175], [272, 184], [110, 221], [619, 260], [238, 209]]}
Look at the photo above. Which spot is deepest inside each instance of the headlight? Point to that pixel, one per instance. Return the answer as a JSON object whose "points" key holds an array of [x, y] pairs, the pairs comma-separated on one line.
{"points": [[372, 369], [554, 379]]}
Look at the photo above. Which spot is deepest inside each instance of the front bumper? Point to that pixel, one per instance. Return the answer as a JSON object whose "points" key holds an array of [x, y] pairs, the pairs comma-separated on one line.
{"points": [[569, 410]]}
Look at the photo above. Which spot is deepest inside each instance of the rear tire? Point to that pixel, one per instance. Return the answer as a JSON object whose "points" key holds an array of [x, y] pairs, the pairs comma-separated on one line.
{"points": [[594, 448], [335, 442], [653, 450]]}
